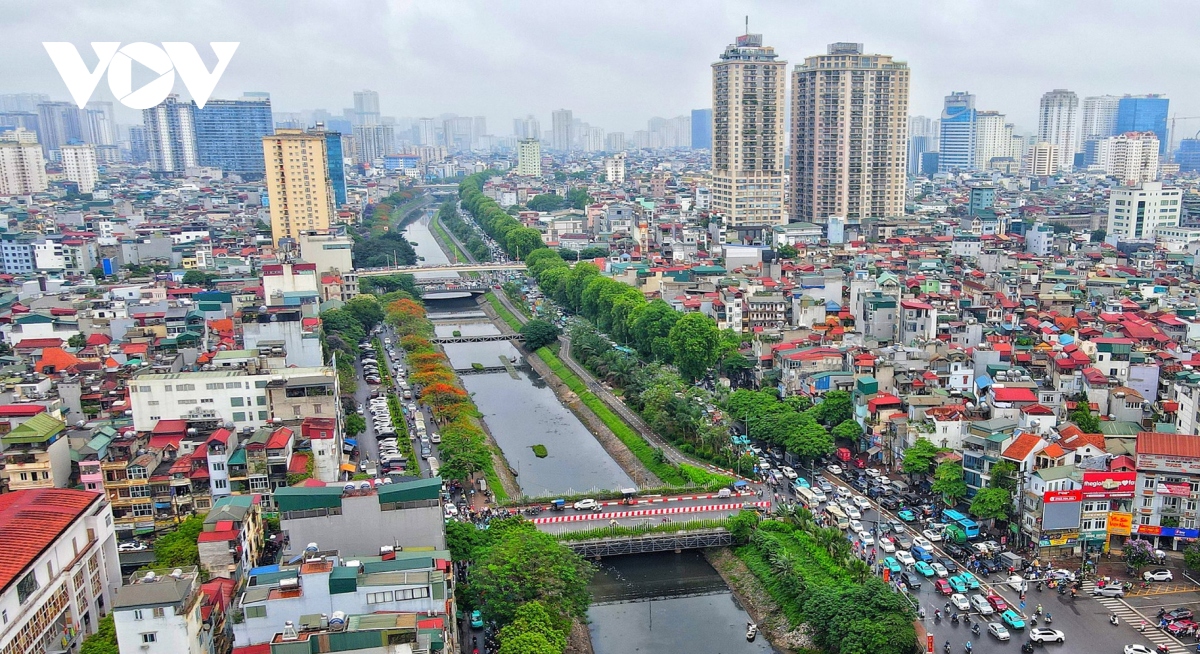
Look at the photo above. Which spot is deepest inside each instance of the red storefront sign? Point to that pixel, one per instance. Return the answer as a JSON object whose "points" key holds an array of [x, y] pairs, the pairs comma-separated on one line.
{"points": [[1056, 497], [1105, 485], [1175, 489]]}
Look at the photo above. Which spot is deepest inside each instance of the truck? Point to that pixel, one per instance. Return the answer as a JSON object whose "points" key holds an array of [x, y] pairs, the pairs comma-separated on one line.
{"points": [[954, 534], [843, 454]]}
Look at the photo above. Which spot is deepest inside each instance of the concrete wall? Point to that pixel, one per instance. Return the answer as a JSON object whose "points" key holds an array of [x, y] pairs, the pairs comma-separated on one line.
{"points": [[363, 528]]}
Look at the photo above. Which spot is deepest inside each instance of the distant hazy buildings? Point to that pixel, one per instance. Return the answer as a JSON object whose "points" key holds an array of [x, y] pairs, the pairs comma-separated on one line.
{"points": [[22, 166], [337, 164], [614, 168], [957, 142], [614, 142], [1144, 113], [749, 96], [562, 130], [1099, 117], [1058, 124], [922, 139], [58, 124], [527, 128], [298, 186], [79, 165], [171, 135], [993, 138], [849, 135], [1131, 157], [229, 134], [702, 120], [373, 142], [529, 157], [366, 108]]}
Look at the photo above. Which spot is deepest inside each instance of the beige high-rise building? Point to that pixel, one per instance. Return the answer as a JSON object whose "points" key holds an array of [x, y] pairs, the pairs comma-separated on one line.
{"points": [[298, 182], [79, 165], [749, 87], [1131, 157], [22, 168], [1058, 124], [849, 135], [993, 138], [614, 168], [1042, 159], [529, 158]]}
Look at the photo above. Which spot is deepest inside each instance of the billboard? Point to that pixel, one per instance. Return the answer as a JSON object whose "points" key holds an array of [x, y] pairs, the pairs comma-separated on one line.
{"points": [[1061, 509], [1177, 489], [1120, 524], [1105, 485]]}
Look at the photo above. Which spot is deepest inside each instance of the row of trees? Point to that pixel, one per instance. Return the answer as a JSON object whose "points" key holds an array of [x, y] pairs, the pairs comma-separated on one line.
{"points": [[448, 216], [796, 424], [516, 240], [524, 581], [576, 198], [591, 252], [993, 502], [344, 328]]}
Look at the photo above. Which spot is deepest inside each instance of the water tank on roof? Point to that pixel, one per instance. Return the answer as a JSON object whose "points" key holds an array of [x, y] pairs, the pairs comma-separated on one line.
{"points": [[311, 548]]}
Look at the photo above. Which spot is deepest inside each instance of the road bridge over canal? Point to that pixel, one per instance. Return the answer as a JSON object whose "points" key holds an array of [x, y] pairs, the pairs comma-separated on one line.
{"points": [[688, 539]]}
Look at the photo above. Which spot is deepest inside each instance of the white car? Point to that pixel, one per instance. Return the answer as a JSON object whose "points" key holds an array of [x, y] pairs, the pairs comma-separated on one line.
{"points": [[980, 604], [586, 505], [856, 526], [1062, 574], [923, 543], [1138, 649], [904, 557], [932, 535], [861, 502], [1017, 583], [940, 569], [887, 545], [865, 538], [1160, 574], [834, 469], [960, 602], [132, 546], [1041, 635], [1001, 632], [851, 511], [871, 472], [789, 472]]}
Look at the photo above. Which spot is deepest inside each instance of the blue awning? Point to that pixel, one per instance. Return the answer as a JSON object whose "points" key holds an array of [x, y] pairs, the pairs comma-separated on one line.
{"points": [[982, 382]]}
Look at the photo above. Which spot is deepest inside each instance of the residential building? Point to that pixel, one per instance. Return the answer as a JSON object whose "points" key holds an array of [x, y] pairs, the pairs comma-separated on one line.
{"points": [[1039, 239], [37, 455], [527, 128], [229, 134], [1099, 117], [331, 252], [366, 108], [1144, 113], [1042, 159], [958, 140], [1058, 125], [702, 127], [298, 184], [99, 125], [749, 96], [1136, 212], [337, 164], [22, 168], [159, 612], [58, 123], [529, 157], [849, 135], [993, 138], [1131, 157], [171, 135], [614, 168], [232, 536], [79, 165], [562, 130], [60, 568], [427, 131], [1168, 474], [373, 142]]}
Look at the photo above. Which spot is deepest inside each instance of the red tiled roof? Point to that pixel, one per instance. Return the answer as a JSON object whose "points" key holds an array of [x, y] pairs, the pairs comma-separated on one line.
{"points": [[20, 410], [1154, 442], [170, 427], [1021, 447], [31, 520], [56, 358], [1013, 394], [279, 438], [1054, 451], [38, 343], [1037, 410], [298, 464]]}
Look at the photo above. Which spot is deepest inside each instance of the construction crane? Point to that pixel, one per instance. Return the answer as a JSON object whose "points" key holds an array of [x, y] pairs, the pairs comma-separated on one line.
{"points": [[1171, 134]]}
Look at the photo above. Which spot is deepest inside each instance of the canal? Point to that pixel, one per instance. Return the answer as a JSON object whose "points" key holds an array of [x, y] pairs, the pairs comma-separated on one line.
{"points": [[666, 603]]}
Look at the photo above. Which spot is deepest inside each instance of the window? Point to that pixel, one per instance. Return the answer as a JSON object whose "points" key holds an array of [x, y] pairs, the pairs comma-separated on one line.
{"points": [[379, 598], [137, 614], [261, 400], [215, 386], [185, 387], [1148, 482], [218, 466], [262, 415], [236, 401], [239, 416], [220, 484], [159, 612], [151, 637], [256, 611]]}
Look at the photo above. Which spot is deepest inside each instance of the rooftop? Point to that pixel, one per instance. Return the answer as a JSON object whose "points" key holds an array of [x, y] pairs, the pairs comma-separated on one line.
{"points": [[31, 520]]}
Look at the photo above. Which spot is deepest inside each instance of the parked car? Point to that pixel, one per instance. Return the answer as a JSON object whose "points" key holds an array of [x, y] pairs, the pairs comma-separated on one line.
{"points": [[1158, 574], [1180, 613], [132, 546]]}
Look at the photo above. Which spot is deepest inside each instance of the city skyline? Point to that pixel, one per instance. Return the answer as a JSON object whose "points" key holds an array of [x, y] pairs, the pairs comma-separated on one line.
{"points": [[440, 52]]}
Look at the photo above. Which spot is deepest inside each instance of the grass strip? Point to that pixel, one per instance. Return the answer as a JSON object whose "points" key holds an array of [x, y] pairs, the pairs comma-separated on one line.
{"points": [[502, 311]]}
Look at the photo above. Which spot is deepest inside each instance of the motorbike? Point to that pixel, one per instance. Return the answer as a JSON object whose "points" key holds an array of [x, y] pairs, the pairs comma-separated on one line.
{"points": [[946, 649], [975, 629], [954, 618], [1039, 586], [1113, 620], [1027, 648], [1049, 619]]}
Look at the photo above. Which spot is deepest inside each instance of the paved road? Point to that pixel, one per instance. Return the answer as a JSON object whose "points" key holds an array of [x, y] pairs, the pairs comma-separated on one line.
{"points": [[1084, 621]]}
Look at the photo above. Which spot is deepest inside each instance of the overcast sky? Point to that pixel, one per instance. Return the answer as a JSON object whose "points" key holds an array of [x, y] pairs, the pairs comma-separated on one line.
{"points": [[616, 63]]}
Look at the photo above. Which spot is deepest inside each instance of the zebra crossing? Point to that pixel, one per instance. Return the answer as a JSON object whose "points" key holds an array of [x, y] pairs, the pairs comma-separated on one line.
{"points": [[1133, 618]]}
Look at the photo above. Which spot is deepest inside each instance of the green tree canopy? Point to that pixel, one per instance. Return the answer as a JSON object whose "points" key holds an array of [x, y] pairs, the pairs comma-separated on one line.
{"points": [[386, 249], [539, 333], [546, 202], [524, 566], [593, 252], [694, 345], [810, 440], [523, 240], [178, 548], [366, 310], [948, 481], [533, 630], [1083, 418], [834, 409], [355, 425], [390, 284], [578, 198], [78, 340], [104, 641], [991, 504], [198, 278], [1003, 475], [848, 430], [344, 324], [918, 459]]}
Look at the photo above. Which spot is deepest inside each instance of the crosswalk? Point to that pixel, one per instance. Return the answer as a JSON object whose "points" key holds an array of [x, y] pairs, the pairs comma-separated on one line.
{"points": [[1134, 618]]}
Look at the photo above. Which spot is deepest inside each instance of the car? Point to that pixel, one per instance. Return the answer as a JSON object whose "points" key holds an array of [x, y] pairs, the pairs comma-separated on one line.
{"points": [[998, 631], [865, 538], [476, 619], [789, 472], [921, 554], [1111, 590], [1181, 628], [935, 536], [942, 586], [825, 486], [861, 502], [884, 543], [1138, 649], [911, 579], [871, 472], [980, 604], [1017, 583], [950, 564], [923, 568], [903, 540], [834, 469], [969, 579], [957, 584], [997, 602], [801, 482], [940, 569], [957, 551], [132, 546], [921, 541], [1058, 574], [906, 515], [851, 511], [1179, 614], [435, 437], [855, 526], [764, 464], [888, 502], [960, 602], [1013, 619], [1158, 574], [588, 504], [819, 496], [892, 564], [904, 557]]}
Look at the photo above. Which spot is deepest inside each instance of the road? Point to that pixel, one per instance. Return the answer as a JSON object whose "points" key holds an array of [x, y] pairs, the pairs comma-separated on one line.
{"points": [[1084, 621], [648, 510]]}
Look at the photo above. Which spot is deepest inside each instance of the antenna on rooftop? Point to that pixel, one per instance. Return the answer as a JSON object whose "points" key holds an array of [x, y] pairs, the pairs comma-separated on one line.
{"points": [[747, 24]]}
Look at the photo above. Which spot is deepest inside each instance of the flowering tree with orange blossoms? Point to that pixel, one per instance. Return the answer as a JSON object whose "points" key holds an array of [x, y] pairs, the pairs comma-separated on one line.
{"points": [[423, 359], [430, 377], [443, 394], [416, 345]]}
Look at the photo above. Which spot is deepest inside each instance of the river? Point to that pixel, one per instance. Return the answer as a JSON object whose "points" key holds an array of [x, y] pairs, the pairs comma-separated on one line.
{"points": [[666, 603]]}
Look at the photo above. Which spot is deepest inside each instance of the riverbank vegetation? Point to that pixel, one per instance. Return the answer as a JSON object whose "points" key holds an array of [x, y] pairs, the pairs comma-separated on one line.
{"points": [[518, 241], [448, 217]]}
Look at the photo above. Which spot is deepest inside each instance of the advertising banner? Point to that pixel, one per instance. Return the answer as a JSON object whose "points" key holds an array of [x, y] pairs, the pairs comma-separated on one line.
{"points": [[1179, 489], [1061, 509], [1054, 497], [1119, 524], [1105, 485]]}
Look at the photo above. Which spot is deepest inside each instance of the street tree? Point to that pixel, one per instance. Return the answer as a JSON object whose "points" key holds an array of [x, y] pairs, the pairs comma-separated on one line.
{"points": [[539, 333], [948, 482], [694, 345], [918, 459], [355, 425], [834, 409], [1004, 475], [528, 565], [991, 504], [848, 430], [366, 310]]}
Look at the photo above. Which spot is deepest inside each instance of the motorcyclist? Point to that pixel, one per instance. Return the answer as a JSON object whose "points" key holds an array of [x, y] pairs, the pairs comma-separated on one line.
{"points": [[1113, 620], [975, 629], [946, 649], [937, 614], [969, 647], [1039, 609], [1049, 619]]}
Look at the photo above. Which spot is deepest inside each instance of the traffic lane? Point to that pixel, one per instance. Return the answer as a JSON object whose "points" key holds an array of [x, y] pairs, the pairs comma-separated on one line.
{"points": [[367, 445]]}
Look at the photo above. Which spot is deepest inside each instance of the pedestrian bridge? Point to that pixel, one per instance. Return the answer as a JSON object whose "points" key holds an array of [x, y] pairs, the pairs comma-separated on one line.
{"points": [[487, 338], [688, 539], [446, 268]]}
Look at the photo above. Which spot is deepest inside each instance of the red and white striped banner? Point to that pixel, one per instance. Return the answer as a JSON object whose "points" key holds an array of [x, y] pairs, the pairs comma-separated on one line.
{"points": [[618, 515], [673, 498]]}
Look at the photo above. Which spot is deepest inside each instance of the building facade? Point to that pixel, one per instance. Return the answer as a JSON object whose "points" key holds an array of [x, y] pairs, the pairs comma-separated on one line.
{"points": [[1131, 157], [849, 135], [79, 165], [171, 135], [529, 158], [229, 134], [22, 168], [1144, 113], [1099, 117], [1058, 125], [298, 184], [958, 140], [993, 138], [1135, 212], [562, 135], [749, 96], [702, 126]]}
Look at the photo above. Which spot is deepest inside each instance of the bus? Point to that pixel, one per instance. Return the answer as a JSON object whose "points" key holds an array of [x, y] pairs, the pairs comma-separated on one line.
{"points": [[969, 526], [837, 517], [434, 467], [807, 498]]}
